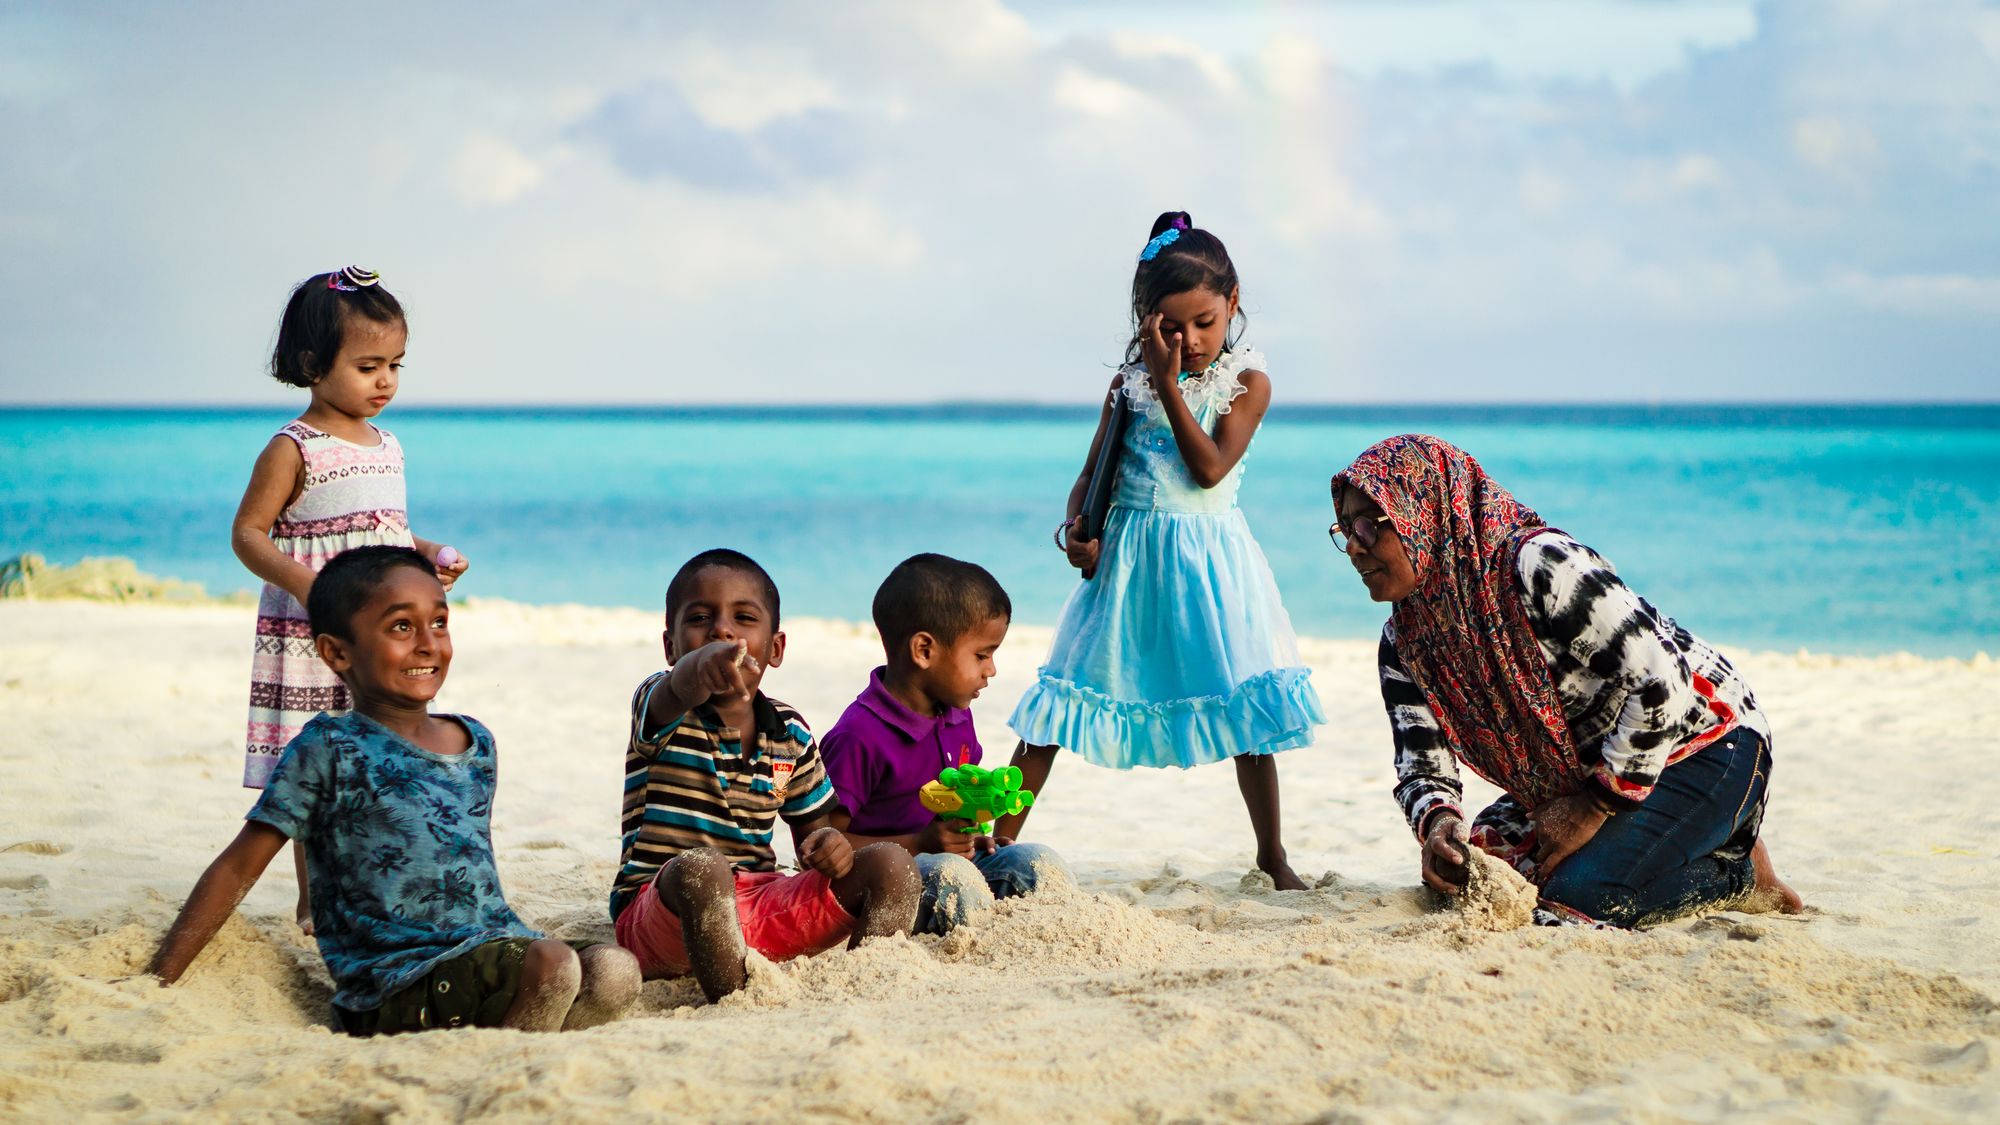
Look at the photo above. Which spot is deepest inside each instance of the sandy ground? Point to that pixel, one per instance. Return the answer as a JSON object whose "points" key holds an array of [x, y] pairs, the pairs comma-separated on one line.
{"points": [[1170, 987]]}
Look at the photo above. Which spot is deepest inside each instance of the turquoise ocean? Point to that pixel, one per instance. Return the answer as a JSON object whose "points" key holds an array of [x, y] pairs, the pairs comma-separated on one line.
{"points": [[1834, 528]]}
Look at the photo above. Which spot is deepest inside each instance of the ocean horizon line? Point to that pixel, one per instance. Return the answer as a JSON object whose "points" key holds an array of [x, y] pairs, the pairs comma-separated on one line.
{"points": [[1967, 414]]}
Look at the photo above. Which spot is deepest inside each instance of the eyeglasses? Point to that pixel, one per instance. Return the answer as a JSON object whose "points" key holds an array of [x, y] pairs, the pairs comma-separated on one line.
{"points": [[1367, 531]]}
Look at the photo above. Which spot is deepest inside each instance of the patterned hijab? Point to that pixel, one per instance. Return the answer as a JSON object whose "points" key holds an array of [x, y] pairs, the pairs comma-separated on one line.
{"points": [[1462, 635]]}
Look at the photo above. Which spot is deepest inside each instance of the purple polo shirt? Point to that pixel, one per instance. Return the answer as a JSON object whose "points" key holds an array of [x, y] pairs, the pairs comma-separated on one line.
{"points": [[880, 753]]}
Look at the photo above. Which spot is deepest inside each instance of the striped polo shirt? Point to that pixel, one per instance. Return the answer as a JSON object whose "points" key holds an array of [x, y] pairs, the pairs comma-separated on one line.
{"points": [[692, 784]]}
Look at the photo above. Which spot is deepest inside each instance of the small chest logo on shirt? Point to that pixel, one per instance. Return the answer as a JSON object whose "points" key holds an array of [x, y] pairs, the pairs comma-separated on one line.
{"points": [[781, 775]]}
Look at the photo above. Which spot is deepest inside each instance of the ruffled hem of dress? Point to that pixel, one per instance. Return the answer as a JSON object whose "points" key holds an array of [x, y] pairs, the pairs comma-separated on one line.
{"points": [[1266, 714], [1221, 384]]}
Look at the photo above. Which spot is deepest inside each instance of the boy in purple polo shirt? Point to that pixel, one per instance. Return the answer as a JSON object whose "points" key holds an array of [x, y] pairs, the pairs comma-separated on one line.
{"points": [[941, 621]]}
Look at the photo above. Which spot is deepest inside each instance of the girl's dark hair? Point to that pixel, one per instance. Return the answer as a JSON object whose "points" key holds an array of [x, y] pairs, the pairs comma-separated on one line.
{"points": [[315, 325], [1195, 259]]}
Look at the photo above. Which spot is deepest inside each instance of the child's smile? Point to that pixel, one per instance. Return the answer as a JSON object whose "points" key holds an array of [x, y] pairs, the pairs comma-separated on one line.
{"points": [[401, 648]]}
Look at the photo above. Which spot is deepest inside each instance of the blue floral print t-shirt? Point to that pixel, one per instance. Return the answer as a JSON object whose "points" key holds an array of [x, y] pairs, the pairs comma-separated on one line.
{"points": [[398, 852]]}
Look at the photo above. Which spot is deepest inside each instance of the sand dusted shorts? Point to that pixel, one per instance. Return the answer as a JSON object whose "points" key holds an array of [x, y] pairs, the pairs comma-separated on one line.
{"points": [[783, 916], [474, 988]]}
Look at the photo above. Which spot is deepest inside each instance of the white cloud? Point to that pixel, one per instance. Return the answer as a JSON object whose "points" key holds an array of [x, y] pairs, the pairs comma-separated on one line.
{"points": [[743, 89], [941, 199], [1095, 95], [1542, 191], [1695, 171], [488, 170], [1922, 295], [1212, 67], [1832, 145]]}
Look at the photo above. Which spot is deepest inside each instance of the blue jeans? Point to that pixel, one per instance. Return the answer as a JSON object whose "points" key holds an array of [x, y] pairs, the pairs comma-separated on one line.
{"points": [[955, 887], [1687, 846]]}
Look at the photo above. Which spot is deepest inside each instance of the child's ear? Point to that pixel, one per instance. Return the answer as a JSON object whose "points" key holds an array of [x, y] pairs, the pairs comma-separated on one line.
{"points": [[923, 650], [334, 652], [1234, 292], [777, 656], [667, 645]]}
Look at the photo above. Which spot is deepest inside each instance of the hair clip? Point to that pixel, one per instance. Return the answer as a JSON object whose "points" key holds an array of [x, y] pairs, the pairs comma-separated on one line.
{"points": [[1180, 222], [348, 279], [1160, 241]]}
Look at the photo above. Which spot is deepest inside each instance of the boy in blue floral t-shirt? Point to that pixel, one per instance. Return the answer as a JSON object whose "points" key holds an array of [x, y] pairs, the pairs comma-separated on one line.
{"points": [[392, 806]]}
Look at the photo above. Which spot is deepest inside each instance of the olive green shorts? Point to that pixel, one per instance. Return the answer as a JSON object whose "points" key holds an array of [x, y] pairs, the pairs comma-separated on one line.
{"points": [[474, 988]]}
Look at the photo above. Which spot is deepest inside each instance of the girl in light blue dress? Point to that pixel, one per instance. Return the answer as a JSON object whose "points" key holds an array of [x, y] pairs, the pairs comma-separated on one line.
{"points": [[1177, 651]]}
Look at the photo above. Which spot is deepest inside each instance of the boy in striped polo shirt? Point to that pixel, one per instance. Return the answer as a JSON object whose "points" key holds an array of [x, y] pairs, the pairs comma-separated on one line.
{"points": [[710, 765]]}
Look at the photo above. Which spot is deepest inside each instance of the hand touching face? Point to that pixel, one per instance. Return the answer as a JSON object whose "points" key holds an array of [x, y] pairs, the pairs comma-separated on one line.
{"points": [[1196, 323], [725, 608]]}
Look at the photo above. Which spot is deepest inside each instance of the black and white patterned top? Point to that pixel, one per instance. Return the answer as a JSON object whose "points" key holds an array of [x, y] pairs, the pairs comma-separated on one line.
{"points": [[1639, 691]]}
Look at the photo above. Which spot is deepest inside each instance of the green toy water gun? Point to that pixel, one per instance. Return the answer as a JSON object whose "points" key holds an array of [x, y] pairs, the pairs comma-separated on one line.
{"points": [[977, 795]]}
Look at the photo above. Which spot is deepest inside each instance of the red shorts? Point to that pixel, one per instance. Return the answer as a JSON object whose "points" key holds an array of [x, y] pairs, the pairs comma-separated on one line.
{"points": [[783, 916]]}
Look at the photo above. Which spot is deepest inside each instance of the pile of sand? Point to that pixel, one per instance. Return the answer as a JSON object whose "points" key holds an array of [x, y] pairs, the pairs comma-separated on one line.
{"points": [[94, 579], [1168, 985]]}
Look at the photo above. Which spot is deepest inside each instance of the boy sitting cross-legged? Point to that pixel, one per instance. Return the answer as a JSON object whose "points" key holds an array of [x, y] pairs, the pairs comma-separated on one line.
{"points": [[710, 766], [391, 804], [941, 621]]}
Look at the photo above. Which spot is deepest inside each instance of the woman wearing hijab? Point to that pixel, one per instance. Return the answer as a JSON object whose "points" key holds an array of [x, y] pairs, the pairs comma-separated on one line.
{"points": [[1634, 759]]}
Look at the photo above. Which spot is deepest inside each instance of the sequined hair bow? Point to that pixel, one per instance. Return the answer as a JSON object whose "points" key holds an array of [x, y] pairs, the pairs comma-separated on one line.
{"points": [[1163, 240], [348, 279]]}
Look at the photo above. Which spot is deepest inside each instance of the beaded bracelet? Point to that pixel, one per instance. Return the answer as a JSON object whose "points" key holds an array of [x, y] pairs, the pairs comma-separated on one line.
{"points": [[1062, 527]]}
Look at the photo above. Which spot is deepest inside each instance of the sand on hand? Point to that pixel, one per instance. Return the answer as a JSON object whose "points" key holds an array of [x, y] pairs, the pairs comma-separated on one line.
{"points": [[1496, 897], [1166, 984]]}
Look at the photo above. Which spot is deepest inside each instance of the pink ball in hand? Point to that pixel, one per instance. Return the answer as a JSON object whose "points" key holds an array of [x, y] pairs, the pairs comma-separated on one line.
{"points": [[447, 557]]}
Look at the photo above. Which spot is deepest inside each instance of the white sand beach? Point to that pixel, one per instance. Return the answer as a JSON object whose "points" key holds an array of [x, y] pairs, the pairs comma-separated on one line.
{"points": [[1171, 986]]}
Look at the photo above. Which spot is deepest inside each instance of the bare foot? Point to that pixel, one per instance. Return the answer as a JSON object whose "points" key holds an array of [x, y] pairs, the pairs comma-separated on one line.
{"points": [[1771, 889], [1282, 875]]}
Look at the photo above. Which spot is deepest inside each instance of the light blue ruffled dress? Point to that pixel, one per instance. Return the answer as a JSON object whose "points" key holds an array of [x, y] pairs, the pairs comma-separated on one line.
{"points": [[1178, 652]]}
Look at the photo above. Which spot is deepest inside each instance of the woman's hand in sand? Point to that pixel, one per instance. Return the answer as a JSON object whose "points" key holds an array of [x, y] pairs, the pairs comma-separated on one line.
{"points": [[828, 852], [1561, 827], [1162, 355], [1082, 552], [1447, 856], [714, 669]]}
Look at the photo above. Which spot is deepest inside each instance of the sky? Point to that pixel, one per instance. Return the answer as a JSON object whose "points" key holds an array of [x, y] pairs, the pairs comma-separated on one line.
{"points": [[942, 200]]}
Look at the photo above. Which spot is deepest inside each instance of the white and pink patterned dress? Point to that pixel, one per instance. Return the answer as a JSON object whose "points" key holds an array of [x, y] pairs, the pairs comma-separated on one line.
{"points": [[353, 497]]}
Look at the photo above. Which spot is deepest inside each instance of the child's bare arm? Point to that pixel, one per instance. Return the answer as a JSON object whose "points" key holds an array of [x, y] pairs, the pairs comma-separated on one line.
{"points": [[214, 897], [711, 670], [937, 836], [274, 484]]}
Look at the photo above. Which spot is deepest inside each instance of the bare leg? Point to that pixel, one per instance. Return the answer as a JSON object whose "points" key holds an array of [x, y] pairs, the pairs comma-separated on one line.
{"points": [[1257, 778], [882, 892], [610, 986], [1771, 888], [1034, 763], [305, 911], [700, 888], [549, 978]]}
